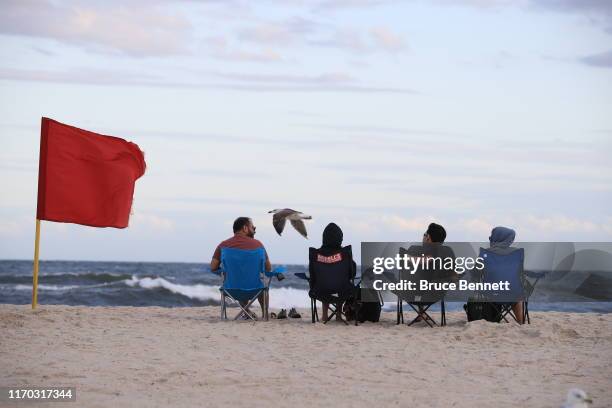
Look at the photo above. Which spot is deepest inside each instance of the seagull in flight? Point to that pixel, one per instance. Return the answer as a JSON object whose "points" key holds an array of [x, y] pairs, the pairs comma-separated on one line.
{"points": [[295, 218]]}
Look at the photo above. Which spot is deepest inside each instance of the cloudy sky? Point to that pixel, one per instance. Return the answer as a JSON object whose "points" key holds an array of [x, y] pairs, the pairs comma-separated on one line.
{"points": [[379, 115]]}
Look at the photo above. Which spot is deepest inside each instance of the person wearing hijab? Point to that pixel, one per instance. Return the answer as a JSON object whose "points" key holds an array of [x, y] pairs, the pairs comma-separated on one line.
{"points": [[332, 243], [500, 240]]}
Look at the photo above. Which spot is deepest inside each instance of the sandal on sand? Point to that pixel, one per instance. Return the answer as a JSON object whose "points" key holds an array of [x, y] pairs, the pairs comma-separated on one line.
{"points": [[272, 315], [294, 314], [282, 314]]}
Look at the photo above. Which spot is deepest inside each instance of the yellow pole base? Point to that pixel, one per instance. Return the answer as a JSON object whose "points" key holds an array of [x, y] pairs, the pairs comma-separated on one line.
{"points": [[35, 273]]}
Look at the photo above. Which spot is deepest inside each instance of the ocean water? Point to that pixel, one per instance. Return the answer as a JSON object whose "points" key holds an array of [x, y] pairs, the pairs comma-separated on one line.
{"points": [[132, 284], [166, 284]]}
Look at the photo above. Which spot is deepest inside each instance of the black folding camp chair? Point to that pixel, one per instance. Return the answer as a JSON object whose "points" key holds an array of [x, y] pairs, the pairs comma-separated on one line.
{"points": [[421, 309], [422, 301], [331, 280]]}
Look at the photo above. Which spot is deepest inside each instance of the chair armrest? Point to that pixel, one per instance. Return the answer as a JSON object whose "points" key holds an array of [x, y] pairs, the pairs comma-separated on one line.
{"points": [[534, 274], [275, 271], [302, 275]]}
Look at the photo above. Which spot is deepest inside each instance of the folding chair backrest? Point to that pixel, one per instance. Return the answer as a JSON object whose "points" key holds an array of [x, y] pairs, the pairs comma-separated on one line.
{"points": [[331, 273], [500, 268], [433, 272], [243, 268]]}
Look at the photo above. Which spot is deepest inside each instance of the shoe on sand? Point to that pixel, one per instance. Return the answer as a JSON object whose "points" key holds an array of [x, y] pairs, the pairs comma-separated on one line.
{"points": [[282, 314], [294, 314]]}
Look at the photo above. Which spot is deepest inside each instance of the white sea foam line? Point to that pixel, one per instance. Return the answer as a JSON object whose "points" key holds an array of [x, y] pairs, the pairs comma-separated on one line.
{"points": [[66, 287], [279, 297], [83, 273], [47, 287], [200, 292]]}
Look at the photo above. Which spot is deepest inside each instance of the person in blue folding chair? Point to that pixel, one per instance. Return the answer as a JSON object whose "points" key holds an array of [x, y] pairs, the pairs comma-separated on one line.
{"points": [[505, 263], [244, 264]]}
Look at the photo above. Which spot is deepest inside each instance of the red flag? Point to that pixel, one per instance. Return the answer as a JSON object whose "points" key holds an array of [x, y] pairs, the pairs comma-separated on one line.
{"points": [[86, 178]]}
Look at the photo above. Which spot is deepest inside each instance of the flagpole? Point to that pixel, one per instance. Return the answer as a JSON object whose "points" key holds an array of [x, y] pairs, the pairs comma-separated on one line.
{"points": [[35, 274]]}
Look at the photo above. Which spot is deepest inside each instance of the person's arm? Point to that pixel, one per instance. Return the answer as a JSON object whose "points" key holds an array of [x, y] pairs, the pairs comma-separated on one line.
{"points": [[215, 263], [268, 264]]}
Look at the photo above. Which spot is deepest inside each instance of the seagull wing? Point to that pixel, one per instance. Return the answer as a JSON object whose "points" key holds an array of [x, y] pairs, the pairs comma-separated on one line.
{"points": [[278, 220], [300, 227]]}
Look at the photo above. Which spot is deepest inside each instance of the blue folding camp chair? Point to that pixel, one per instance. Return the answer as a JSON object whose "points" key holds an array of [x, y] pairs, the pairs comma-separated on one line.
{"points": [[504, 267], [243, 270]]}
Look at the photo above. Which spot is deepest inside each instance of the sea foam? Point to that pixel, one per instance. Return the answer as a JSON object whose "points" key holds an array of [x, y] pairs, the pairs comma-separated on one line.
{"points": [[279, 297]]}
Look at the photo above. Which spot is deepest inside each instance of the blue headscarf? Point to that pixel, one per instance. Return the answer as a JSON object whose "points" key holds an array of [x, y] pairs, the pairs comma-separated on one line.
{"points": [[502, 237]]}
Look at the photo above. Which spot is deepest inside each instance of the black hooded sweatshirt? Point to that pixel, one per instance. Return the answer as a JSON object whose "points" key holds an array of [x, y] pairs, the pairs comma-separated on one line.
{"points": [[332, 242]]}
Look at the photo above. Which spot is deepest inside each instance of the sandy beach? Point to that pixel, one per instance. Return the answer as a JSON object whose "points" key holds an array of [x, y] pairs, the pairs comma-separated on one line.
{"points": [[158, 357]]}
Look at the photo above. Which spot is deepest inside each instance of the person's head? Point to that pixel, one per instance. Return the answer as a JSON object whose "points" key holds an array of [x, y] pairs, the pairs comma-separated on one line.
{"points": [[244, 226], [332, 236], [435, 234], [502, 237]]}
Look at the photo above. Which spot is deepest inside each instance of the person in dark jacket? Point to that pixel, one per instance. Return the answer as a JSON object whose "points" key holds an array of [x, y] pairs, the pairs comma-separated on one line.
{"points": [[332, 243]]}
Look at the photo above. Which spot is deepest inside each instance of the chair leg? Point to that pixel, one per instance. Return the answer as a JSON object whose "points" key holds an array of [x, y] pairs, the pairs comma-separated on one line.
{"points": [[505, 311], [266, 299], [341, 314], [329, 316], [422, 313], [442, 314], [426, 318], [336, 310], [397, 310], [223, 313], [246, 308], [313, 309], [338, 313]]}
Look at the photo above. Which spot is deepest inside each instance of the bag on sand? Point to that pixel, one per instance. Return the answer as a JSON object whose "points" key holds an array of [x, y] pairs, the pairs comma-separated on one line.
{"points": [[369, 311], [477, 310], [473, 310], [365, 310]]}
